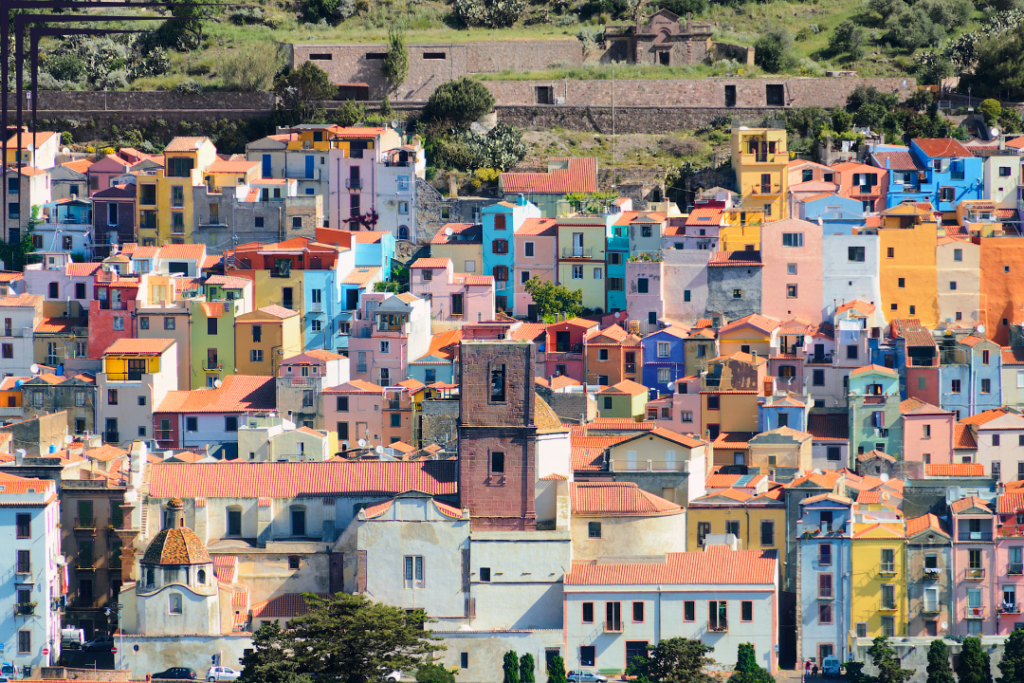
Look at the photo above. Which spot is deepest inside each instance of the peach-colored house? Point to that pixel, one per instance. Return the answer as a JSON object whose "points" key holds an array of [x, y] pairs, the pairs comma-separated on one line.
{"points": [[455, 298], [535, 256], [867, 184], [362, 410], [680, 410], [927, 433], [791, 276], [565, 348]]}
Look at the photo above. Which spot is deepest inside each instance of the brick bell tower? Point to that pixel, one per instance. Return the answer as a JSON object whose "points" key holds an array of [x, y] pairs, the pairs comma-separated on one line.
{"points": [[497, 436]]}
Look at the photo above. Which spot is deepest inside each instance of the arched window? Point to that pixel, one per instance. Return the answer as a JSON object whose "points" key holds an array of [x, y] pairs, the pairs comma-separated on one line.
{"points": [[201, 577], [403, 232], [150, 578]]}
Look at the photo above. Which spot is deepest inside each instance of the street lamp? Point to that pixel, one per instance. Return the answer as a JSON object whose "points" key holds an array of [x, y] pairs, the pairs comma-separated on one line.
{"points": [[116, 609]]}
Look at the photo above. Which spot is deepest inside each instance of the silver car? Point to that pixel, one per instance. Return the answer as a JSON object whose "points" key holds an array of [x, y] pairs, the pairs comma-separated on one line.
{"points": [[222, 673], [586, 677]]}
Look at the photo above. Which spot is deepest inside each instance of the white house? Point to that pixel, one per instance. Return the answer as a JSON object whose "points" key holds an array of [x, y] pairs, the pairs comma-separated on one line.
{"points": [[21, 315]]}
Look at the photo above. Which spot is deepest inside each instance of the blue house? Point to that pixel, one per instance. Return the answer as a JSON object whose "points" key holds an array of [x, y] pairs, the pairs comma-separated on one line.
{"points": [[500, 221], [823, 532], [835, 213], [782, 411], [939, 170], [969, 376], [322, 302], [616, 255], [664, 356], [374, 248]]}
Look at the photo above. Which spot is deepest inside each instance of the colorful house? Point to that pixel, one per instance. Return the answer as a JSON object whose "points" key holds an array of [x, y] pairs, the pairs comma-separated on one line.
{"points": [[878, 584], [582, 245], [874, 407], [760, 160], [564, 344], [137, 375], [927, 433], [535, 247], [613, 355], [867, 185], [391, 331], [952, 172], [263, 338], [970, 372], [752, 334], [835, 213], [973, 567], [500, 222], [823, 534], [740, 228], [1009, 562], [192, 419], [463, 244], [164, 200], [627, 399], [791, 272], [455, 298], [929, 587], [750, 508], [664, 358], [213, 328], [565, 175], [906, 272], [958, 272]]}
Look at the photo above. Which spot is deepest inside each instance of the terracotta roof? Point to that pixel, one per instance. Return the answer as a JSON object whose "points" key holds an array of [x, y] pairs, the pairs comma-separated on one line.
{"points": [[717, 480], [185, 144], [968, 503], [283, 606], [705, 216], [179, 545], [857, 305], [1013, 356], [238, 394], [618, 423], [139, 347], [928, 522], [278, 311], [717, 565], [360, 276], [985, 417], [942, 147], [873, 368], [538, 227], [626, 387], [237, 166], [761, 322], [235, 479], [733, 439], [228, 281], [59, 325], [734, 495], [735, 258], [963, 437], [965, 469], [10, 483], [615, 499], [431, 263], [1010, 503], [915, 406], [185, 251], [581, 176], [474, 229], [528, 332], [875, 455], [879, 531], [613, 334], [79, 165], [898, 161], [545, 418]]}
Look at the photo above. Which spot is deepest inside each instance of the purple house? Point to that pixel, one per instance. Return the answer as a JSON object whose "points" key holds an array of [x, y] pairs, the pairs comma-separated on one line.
{"points": [[113, 218]]}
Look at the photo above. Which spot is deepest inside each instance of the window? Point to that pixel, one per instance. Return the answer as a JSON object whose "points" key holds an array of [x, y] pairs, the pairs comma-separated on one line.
{"points": [[396, 419], [638, 612], [791, 291], [191, 424], [341, 404], [955, 386], [142, 400], [587, 655], [713, 402], [642, 285], [746, 610], [737, 294], [855, 254], [889, 626], [497, 462], [499, 246], [414, 571], [825, 613], [111, 397], [664, 375], [602, 354], [588, 613], [888, 596], [230, 423], [689, 610], [703, 529], [598, 274], [888, 561], [613, 616], [577, 272], [818, 378], [825, 555], [234, 521], [767, 533], [732, 527], [718, 616], [594, 530], [256, 356], [792, 239], [458, 304], [24, 642], [528, 249], [986, 386], [498, 383], [686, 416], [385, 347], [24, 562], [825, 585], [403, 208]]}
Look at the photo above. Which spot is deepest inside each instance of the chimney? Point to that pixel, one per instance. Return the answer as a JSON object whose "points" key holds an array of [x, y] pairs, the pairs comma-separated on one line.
{"points": [[19, 457], [176, 508]]}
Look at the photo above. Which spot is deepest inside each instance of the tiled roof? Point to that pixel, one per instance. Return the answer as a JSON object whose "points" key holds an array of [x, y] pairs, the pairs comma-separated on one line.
{"points": [[431, 263], [705, 216], [879, 531], [1010, 503], [857, 305], [195, 252], [221, 166], [21, 300], [957, 469], [59, 325], [618, 423], [626, 387], [139, 347], [963, 437], [185, 144], [528, 332], [238, 394], [735, 258], [538, 227], [613, 334], [225, 567], [546, 420], [733, 440], [360, 276], [581, 176], [733, 495], [928, 522], [942, 147], [10, 483], [1013, 356], [985, 417], [873, 368], [179, 545], [474, 230], [296, 479], [898, 161], [616, 499], [915, 406], [278, 311], [794, 434], [282, 607], [717, 481], [875, 455], [717, 565], [969, 502], [228, 281], [356, 386], [761, 322]]}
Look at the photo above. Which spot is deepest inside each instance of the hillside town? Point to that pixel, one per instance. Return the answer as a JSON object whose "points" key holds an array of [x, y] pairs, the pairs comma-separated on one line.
{"points": [[558, 420]]}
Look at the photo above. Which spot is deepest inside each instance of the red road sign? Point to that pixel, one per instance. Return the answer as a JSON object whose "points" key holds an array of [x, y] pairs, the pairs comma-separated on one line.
{"points": [[113, 650], [46, 652]]}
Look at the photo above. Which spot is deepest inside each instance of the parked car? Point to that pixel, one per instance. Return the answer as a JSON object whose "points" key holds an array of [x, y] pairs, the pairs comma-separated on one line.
{"points": [[222, 673], [830, 666], [178, 672], [100, 644], [393, 677], [72, 638], [586, 677]]}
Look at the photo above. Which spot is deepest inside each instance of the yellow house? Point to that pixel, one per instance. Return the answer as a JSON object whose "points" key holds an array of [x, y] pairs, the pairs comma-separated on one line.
{"points": [[878, 584], [164, 197], [755, 515], [223, 175], [463, 244], [760, 160], [582, 241], [741, 229], [782, 450], [625, 399], [264, 337], [665, 451], [908, 237], [752, 334]]}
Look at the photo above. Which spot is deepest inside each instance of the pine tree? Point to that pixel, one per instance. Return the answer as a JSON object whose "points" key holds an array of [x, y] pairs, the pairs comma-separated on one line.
{"points": [[527, 669], [511, 667], [888, 664], [1012, 664], [556, 670], [939, 670], [974, 665]]}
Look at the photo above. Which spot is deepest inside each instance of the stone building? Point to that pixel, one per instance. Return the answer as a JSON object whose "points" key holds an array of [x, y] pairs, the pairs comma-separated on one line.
{"points": [[664, 39], [75, 396], [225, 220]]}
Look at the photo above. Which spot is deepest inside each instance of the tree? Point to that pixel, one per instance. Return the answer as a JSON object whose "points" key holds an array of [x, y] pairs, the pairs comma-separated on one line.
{"points": [[682, 8], [527, 669], [556, 670], [848, 38], [434, 673], [886, 8], [395, 68], [771, 51], [939, 670], [458, 103], [301, 90], [1011, 666], [855, 673], [268, 662], [184, 31], [912, 28], [974, 665], [675, 660], [488, 13], [747, 669], [350, 639], [1000, 69], [510, 667], [349, 113], [948, 14], [887, 662], [862, 95], [991, 109], [550, 298], [252, 68]]}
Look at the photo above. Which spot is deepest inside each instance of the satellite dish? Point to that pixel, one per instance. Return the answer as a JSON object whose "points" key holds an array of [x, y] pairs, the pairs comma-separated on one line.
{"points": [[379, 449], [217, 383], [945, 625], [448, 232], [395, 124], [981, 329], [362, 443], [34, 369], [68, 438], [994, 132], [883, 476]]}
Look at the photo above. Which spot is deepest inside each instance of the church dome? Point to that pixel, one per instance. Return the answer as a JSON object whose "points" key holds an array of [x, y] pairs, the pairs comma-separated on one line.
{"points": [[178, 544]]}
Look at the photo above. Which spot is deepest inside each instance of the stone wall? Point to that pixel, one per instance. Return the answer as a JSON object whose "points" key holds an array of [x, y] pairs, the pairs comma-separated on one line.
{"points": [[627, 119], [721, 283], [570, 407], [439, 421]]}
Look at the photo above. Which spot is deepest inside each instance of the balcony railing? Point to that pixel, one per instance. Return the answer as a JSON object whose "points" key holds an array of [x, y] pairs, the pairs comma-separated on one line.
{"points": [[976, 574], [931, 609], [1015, 569], [760, 157], [932, 573], [164, 435], [974, 612], [613, 626], [887, 568], [721, 627], [887, 607], [125, 376], [1008, 608], [974, 536], [108, 305], [577, 252], [631, 368], [86, 524], [112, 437], [212, 366], [354, 184], [762, 189], [24, 609], [820, 359], [85, 564]]}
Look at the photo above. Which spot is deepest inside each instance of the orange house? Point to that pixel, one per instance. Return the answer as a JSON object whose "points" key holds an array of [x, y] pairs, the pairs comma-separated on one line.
{"points": [[866, 184], [613, 355]]}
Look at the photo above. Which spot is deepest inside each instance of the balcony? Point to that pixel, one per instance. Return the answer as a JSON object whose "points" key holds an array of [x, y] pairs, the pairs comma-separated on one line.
{"points": [[974, 536], [1015, 569], [890, 607], [85, 564], [932, 573], [974, 612], [354, 184], [164, 435], [577, 252], [212, 366], [763, 158], [762, 189], [108, 305], [820, 359], [974, 574], [85, 525], [177, 229], [721, 626], [630, 368], [130, 376], [931, 609], [316, 307], [111, 437], [1008, 608], [613, 626], [24, 609], [887, 569]]}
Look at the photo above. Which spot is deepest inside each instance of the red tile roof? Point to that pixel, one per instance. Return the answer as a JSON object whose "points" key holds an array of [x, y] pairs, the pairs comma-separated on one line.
{"points": [[915, 406], [717, 565], [942, 147], [761, 322], [957, 469], [963, 437], [617, 499], [873, 368], [139, 347], [296, 479], [735, 258], [538, 227], [705, 216], [968, 503], [1013, 356], [1010, 503], [898, 161], [927, 522], [221, 166], [581, 176], [857, 305], [196, 252], [185, 144], [626, 387], [457, 229], [282, 607], [431, 263], [238, 394], [21, 300], [10, 483], [985, 417]]}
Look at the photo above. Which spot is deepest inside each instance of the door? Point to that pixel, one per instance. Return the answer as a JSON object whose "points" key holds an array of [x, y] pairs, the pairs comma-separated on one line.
{"points": [[136, 369], [309, 165], [337, 574], [531, 312], [286, 297], [577, 244], [351, 299], [354, 183], [562, 342], [266, 166]]}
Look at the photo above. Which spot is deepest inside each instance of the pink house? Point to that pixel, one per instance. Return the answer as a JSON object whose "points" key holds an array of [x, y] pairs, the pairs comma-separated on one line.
{"points": [[534, 244], [565, 348], [680, 410], [867, 184], [974, 606], [927, 433], [101, 173], [353, 411], [1009, 566], [455, 298], [792, 274]]}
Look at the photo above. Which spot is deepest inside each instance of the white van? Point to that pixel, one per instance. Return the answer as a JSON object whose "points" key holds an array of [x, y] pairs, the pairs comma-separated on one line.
{"points": [[72, 638]]}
